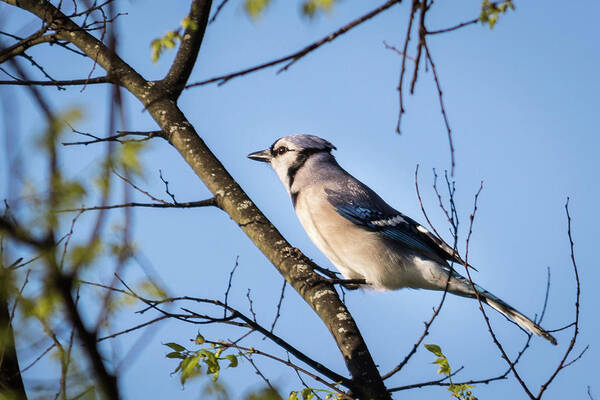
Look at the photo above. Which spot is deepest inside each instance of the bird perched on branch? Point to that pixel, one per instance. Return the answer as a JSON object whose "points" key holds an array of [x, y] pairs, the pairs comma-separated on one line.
{"points": [[362, 235]]}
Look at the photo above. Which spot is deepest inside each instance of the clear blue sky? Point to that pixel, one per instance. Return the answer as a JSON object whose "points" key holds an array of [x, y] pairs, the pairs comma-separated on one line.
{"points": [[523, 104]]}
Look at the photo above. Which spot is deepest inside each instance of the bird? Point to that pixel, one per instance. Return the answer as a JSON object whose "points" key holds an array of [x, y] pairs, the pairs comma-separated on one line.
{"points": [[364, 237]]}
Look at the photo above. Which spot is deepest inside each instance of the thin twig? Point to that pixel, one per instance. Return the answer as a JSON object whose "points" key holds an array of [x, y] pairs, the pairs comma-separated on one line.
{"points": [[115, 138], [235, 265], [563, 362], [442, 107], [251, 305], [38, 358], [294, 57], [166, 182], [278, 312], [403, 66], [73, 82], [189, 204], [162, 317], [485, 317], [453, 28], [421, 203], [252, 350], [257, 370], [217, 11]]}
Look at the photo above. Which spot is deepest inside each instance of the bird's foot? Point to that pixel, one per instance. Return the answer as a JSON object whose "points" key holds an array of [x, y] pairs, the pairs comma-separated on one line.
{"points": [[350, 284]]}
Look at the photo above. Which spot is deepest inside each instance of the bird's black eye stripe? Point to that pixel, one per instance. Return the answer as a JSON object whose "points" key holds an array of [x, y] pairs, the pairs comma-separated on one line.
{"points": [[279, 151]]}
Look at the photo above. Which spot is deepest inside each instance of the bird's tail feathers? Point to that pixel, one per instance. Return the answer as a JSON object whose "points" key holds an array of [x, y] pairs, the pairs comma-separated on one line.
{"points": [[462, 287]]}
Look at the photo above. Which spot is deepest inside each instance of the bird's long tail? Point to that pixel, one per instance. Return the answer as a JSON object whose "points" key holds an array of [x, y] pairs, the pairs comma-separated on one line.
{"points": [[461, 286]]}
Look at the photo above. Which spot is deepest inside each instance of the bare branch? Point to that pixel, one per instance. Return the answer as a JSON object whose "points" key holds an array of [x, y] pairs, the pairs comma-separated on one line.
{"points": [[563, 362], [115, 138], [292, 58], [278, 312], [297, 368], [422, 41], [218, 11], [443, 109], [485, 317], [190, 204], [234, 314], [74, 82], [229, 285], [403, 67], [162, 317], [166, 182], [24, 44], [453, 28]]}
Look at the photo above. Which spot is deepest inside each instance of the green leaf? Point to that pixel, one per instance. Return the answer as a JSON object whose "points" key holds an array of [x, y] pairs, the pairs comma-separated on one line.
{"points": [[307, 394], [199, 339], [85, 255], [233, 360], [211, 361], [189, 23], [435, 349], [175, 354], [189, 368], [128, 156], [293, 396], [311, 7], [264, 394], [255, 8], [175, 346]]}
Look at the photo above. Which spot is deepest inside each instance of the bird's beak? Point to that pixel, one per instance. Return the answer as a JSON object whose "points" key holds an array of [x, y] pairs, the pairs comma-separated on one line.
{"points": [[263, 156]]}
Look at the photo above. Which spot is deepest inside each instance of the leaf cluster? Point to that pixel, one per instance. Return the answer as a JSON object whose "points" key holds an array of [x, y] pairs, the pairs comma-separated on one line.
{"points": [[490, 11], [190, 365], [169, 40], [458, 391], [308, 8], [311, 393]]}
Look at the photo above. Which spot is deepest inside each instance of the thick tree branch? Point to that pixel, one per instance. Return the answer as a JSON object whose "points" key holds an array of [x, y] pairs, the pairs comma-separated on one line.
{"points": [[11, 384], [185, 59]]}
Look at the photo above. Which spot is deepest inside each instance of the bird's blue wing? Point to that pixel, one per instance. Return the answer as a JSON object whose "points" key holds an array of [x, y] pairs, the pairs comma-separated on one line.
{"points": [[375, 215], [364, 207]]}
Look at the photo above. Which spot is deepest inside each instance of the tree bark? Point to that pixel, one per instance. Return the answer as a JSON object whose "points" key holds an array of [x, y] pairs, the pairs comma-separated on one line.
{"points": [[11, 383]]}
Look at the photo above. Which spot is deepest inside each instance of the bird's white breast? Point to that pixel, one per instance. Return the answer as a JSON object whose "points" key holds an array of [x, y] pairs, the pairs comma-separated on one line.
{"points": [[356, 252]]}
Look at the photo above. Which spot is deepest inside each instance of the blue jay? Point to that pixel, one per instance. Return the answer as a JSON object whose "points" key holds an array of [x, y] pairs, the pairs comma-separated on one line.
{"points": [[361, 234]]}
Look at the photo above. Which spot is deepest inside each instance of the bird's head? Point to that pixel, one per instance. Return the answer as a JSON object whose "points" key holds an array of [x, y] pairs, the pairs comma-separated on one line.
{"points": [[289, 153]]}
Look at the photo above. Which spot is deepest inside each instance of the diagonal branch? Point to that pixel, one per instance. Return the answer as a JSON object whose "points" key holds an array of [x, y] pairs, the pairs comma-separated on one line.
{"points": [[185, 59]]}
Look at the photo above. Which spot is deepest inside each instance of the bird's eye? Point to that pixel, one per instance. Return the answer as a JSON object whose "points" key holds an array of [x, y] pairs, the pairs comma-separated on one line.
{"points": [[281, 150]]}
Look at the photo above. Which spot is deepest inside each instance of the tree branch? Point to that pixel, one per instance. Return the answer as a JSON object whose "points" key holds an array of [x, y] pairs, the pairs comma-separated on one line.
{"points": [[185, 59], [11, 383], [292, 58], [20, 47], [189, 204], [72, 82]]}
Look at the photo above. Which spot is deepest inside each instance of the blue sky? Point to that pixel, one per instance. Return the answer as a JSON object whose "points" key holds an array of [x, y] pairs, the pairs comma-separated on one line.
{"points": [[522, 102]]}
